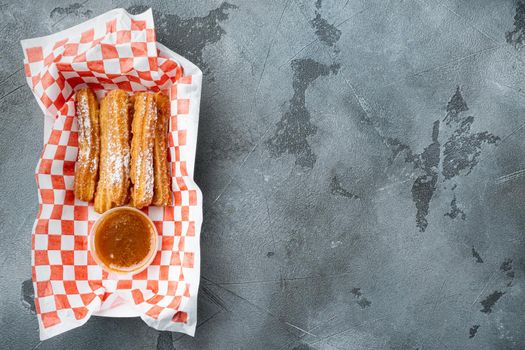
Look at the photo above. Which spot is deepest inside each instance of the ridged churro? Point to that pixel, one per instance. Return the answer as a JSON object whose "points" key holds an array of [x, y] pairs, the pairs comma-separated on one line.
{"points": [[141, 167], [114, 182], [162, 190], [86, 170]]}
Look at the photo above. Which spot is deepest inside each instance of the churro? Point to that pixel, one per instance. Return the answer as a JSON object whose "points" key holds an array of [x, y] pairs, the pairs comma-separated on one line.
{"points": [[114, 182], [141, 167], [162, 191], [86, 170]]}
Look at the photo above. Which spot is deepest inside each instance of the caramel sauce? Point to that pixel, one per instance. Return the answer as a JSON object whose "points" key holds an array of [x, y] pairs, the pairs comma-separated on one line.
{"points": [[123, 239]]}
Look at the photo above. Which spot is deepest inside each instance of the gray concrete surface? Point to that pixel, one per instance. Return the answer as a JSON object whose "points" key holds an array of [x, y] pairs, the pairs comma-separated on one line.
{"points": [[365, 192]]}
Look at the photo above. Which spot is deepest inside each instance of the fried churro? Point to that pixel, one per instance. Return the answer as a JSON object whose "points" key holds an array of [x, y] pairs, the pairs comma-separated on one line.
{"points": [[143, 129], [86, 170], [162, 191], [114, 182]]}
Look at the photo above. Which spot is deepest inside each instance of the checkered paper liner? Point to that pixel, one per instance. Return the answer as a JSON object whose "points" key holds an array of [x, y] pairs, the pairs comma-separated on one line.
{"points": [[114, 50]]}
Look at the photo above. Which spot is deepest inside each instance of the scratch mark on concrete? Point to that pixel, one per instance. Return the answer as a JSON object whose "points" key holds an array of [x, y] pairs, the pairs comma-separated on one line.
{"points": [[476, 255]]}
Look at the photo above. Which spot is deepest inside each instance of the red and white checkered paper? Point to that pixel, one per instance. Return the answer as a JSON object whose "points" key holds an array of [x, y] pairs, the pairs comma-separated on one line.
{"points": [[114, 50]]}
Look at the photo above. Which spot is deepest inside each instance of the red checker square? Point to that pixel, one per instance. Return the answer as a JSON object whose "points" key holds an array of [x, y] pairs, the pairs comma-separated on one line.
{"points": [[181, 183], [57, 273], [193, 197], [49, 59], [82, 58], [70, 49], [60, 153], [168, 66], [150, 35], [46, 100], [34, 54], [42, 226], [69, 168], [111, 26], [68, 123], [70, 287], [169, 213], [175, 259], [185, 80], [177, 153], [123, 36], [191, 229], [56, 213], [105, 296], [138, 25], [60, 43], [68, 257], [181, 244], [181, 137], [91, 261], [109, 51], [138, 297], [65, 67], [124, 85], [180, 317], [44, 289], [50, 319], [187, 290], [48, 196], [74, 81], [96, 66], [81, 213], [73, 139], [27, 70], [68, 227], [54, 242], [158, 226], [152, 63], [146, 75], [178, 198], [167, 243], [81, 273], [183, 106], [61, 302], [59, 101], [81, 242], [173, 90], [57, 182], [172, 288], [126, 64], [139, 49], [143, 275], [124, 284], [47, 80], [61, 82], [154, 311], [164, 272], [175, 303], [178, 228], [87, 298], [54, 137], [95, 284], [87, 36], [183, 170], [156, 259], [41, 257], [188, 260], [155, 299], [80, 312], [185, 212], [153, 286], [35, 80]]}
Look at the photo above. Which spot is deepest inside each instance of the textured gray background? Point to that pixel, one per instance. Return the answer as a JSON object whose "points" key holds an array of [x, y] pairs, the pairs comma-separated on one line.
{"points": [[362, 165]]}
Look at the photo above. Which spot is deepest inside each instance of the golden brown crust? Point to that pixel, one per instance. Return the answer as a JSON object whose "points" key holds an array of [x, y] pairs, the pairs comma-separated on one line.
{"points": [[86, 169], [113, 186], [162, 190], [143, 129]]}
